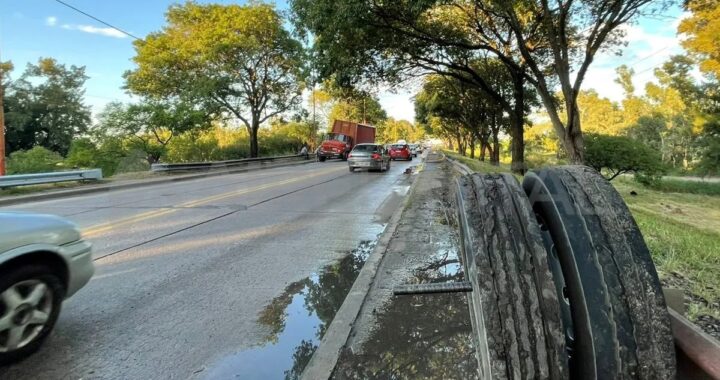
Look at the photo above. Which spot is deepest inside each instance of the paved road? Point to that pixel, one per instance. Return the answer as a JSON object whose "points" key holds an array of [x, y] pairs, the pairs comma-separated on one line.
{"points": [[207, 278]]}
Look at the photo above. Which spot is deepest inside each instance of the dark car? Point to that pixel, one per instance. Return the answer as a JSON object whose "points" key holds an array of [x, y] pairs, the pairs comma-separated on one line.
{"points": [[369, 156], [400, 152]]}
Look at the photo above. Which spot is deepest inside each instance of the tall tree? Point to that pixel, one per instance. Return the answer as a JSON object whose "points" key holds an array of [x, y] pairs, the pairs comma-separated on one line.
{"points": [[45, 107], [239, 58]]}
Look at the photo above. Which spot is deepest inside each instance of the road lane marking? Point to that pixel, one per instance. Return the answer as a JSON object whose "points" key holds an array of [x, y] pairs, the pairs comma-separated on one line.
{"points": [[104, 227]]}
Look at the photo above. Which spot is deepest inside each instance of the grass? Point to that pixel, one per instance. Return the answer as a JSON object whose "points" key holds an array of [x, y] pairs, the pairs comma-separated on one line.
{"points": [[680, 221], [687, 186]]}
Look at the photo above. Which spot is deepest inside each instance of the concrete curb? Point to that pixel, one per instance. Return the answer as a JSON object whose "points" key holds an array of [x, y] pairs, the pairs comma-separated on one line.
{"points": [[459, 166], [139, 183], [323, 362]]}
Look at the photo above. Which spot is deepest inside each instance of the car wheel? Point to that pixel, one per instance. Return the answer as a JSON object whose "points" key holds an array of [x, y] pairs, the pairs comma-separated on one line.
{"points": [[321, 158], [619, 323], [30, 301], [514, 308], [352, 169], [410, 158]]}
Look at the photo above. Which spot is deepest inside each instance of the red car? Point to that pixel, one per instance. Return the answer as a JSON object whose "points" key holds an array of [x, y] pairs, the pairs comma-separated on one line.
{"points": [[400, 151]]}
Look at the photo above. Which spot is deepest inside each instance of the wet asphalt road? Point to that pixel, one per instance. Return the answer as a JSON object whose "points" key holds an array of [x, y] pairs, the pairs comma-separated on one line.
{"points": [[206, 278]]}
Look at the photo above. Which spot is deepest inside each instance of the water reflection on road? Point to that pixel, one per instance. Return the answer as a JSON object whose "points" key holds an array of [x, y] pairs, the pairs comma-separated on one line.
{"points": [[297, 321]]}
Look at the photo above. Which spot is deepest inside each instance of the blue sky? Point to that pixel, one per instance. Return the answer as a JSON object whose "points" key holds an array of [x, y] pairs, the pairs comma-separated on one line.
{"points": [[30, 29]]}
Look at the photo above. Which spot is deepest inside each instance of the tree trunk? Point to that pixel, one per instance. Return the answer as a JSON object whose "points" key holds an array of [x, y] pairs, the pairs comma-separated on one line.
{"points": [[517, 124], [573, 140], [483, 147], [254, 150], [495, 154], [472, 146]]}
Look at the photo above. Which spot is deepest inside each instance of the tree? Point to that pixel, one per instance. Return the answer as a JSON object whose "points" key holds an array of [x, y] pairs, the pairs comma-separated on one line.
{"points": [[354, 105], [616, 155], [238, 58], [5, 67], [45, 107], [599, 115], [544, 43], [152, 124], [709, 144], [392, 130], [702, 29]]}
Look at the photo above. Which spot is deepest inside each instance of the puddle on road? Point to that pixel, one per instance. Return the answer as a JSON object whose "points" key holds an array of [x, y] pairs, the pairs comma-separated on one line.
{"points": [[297, 321]]}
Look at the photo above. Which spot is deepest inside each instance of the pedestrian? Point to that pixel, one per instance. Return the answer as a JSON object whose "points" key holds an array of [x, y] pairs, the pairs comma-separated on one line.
{"points": [[304, 152]]}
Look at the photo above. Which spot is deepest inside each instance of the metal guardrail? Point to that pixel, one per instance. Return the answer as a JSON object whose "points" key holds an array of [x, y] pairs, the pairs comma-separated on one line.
{"points": [[41, 178], [214, 165]]}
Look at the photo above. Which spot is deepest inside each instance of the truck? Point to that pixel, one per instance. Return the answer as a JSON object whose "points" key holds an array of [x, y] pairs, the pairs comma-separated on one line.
{"points": [[343, 137]]}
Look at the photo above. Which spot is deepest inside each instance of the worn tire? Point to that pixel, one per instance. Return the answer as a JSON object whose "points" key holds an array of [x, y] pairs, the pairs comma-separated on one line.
{"points": [[620, 320], [44, 274], [514, 306]]}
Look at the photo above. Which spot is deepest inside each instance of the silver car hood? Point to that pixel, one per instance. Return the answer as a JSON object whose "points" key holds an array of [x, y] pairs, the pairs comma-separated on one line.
{"points": [[18, 229]]}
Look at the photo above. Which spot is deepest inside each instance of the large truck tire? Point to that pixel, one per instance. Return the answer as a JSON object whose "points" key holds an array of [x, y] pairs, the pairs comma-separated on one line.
{"points": [[620, 324], [514, 306], [321, 158]]}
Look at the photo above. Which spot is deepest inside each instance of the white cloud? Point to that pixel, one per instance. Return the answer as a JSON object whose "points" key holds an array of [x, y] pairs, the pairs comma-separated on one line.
{"points": [[108, 32], [645, 51], [51, 21]]}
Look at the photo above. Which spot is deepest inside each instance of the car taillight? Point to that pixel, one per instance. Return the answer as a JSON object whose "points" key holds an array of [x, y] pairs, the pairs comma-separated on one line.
{"points": [[375, 156]]}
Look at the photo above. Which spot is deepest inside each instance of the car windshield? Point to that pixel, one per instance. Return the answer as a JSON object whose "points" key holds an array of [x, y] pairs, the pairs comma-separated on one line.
{"points": [[365, 148], [335, 137], [209, 189]]}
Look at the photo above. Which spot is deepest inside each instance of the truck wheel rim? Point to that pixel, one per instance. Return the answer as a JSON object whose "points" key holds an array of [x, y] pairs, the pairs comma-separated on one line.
{"points": [[25, 309]]}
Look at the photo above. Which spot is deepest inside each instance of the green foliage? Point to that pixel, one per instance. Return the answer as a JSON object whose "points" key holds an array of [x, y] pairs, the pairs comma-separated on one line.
{"points": [[709, 145], [392, 130], [84, 154], [616, 155], [235, 58], [45, 107], [35, 160], [151, 125]]}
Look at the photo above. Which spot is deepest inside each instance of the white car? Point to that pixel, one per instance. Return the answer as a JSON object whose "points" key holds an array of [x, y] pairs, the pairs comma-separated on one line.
{"points": [[414, 150], [43, 261]]}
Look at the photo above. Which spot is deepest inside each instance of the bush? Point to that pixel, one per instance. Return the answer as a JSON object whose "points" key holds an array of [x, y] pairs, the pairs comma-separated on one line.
{"points": [[35, 160], [615, 155], [84, 154]]}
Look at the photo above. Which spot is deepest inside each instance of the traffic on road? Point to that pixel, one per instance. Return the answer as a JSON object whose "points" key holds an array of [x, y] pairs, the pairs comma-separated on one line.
{"points": [[199, 264]]}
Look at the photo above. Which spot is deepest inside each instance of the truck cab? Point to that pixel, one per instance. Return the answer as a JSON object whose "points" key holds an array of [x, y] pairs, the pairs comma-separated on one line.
{"points": [[335, 145]]}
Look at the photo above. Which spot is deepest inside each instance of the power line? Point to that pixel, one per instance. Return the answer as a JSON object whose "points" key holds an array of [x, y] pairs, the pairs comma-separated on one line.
{"points": [[98, 20]]}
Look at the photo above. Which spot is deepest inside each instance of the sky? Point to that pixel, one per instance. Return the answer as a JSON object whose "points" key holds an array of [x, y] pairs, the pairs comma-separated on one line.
{"points": [[30, 29]]}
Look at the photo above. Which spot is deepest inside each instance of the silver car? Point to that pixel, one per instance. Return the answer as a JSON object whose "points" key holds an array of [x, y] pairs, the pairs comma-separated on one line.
{"points": [[43, 261], [369, 156]]}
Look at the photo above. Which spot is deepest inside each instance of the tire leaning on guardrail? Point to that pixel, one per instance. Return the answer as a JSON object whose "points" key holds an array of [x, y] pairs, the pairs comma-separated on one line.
{"points": [[620, 323], [514, 306]]}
